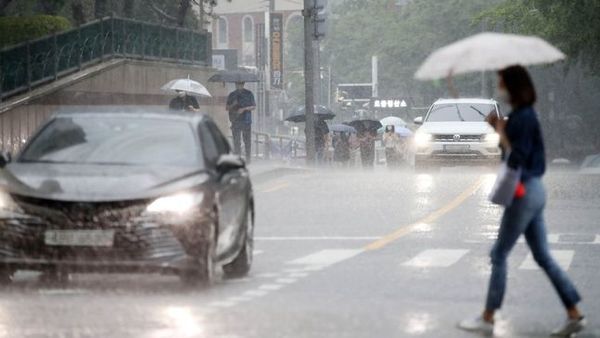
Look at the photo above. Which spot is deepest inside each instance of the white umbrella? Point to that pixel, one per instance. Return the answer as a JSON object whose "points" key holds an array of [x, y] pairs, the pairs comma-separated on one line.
{"points": [[186, 85], [393, 121], [487, 51]]}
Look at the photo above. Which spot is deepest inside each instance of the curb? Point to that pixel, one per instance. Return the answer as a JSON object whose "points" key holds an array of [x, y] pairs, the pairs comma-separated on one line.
{"points": [[276, 173]]}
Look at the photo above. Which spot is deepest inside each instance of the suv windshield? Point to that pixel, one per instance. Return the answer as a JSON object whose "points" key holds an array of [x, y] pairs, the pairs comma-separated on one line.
{"points": [[114, 140], [469, 112]]}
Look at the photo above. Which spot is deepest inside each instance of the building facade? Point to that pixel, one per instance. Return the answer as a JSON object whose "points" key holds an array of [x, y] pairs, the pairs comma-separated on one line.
{"points": [[236, 22]]}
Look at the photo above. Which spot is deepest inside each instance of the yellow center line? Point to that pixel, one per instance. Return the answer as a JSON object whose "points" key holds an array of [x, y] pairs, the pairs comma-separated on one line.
{"points": [[277, 187], [432, 217]]}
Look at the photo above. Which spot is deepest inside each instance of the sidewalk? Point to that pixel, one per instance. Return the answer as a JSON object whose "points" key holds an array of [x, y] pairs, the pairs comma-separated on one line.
{"points": [[264, 170]]}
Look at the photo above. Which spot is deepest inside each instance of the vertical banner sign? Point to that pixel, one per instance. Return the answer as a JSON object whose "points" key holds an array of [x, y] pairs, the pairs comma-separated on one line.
{"points": [[276, 51]]}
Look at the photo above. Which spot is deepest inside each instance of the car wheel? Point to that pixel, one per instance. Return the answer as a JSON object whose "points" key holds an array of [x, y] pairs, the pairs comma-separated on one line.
{"points": [[241, 265], [6, 276], [202, 271]]}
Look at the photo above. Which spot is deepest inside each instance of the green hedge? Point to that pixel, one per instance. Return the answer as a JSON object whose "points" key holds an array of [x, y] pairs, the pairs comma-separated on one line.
{"points": [[16, 29]]}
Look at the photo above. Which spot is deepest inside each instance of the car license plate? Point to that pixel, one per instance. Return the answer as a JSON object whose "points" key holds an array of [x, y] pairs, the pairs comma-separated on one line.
{"points": [[80, 237], [456, 148]]}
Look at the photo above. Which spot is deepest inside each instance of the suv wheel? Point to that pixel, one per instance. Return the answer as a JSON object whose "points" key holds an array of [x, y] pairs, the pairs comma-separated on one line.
{"points": [[240, 266]]}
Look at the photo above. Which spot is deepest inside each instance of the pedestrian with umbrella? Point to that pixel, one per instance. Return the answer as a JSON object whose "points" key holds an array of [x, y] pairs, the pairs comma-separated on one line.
{"points": [[321, 129], [395, 140], [393, 146], [240, 104], [186, 89], [367, 134], [523, 150]]}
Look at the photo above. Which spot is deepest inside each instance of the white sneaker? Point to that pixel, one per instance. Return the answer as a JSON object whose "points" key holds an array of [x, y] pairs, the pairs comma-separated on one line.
{"points": [[477, 324], [570, 327]]}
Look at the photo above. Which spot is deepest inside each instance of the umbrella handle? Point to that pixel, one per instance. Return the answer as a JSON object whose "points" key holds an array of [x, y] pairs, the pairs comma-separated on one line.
{"points": [[451, 88]]}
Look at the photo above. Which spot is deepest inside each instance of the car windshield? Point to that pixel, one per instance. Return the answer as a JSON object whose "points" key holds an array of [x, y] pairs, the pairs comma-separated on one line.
{"points": [[114, 140], [465, 112]]}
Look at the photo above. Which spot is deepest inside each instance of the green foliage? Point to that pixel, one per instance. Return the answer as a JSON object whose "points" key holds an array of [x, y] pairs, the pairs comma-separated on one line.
{"points": [[573, 26], [294, 62], [76, 10], [19, 29], [401, 37]]}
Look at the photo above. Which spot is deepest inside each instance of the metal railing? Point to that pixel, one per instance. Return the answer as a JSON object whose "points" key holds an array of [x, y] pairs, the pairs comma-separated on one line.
{"points": [[28, 65], [267, 146]]}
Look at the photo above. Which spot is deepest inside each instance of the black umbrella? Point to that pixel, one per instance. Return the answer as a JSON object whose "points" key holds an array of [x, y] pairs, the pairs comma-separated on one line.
{"points": [[342, 128], [233, 76], [365, 125], [321, 112]]}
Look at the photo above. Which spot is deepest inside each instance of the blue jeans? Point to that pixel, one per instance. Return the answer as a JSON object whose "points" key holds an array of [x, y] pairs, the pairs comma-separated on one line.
{"points": [[525, 216]]}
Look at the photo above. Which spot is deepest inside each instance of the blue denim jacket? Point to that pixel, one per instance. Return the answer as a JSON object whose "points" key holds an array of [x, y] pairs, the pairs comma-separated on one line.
{"points": [[527, 145]]}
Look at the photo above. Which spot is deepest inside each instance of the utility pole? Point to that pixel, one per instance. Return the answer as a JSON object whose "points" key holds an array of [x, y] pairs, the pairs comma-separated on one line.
{"points": [[309, 73], [375, 75]]}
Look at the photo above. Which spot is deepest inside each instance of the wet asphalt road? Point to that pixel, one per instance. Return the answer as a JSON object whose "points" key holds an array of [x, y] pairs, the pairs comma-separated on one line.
{"points": [[344, 254]]}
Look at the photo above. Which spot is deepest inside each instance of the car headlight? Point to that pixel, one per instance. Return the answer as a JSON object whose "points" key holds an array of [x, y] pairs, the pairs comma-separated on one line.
{"points": [[7, 204], [177, 204], [492, 138], [422, 139]]}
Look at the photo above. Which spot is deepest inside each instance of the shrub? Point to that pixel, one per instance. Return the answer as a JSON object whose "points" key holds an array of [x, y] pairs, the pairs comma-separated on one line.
{"points": [[16, 29]]}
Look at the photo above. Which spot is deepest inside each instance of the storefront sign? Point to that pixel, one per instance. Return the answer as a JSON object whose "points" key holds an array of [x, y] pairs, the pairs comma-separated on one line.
{"points": [[276, 51], [387, 103]]}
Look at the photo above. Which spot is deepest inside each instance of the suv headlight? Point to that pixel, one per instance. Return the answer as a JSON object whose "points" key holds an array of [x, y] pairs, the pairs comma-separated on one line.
{"points": [[177, 204], [422, 139], [492, 138]]}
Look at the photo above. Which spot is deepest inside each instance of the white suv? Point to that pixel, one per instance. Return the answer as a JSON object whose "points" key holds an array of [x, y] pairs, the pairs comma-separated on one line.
{"points": [[455, 131]]}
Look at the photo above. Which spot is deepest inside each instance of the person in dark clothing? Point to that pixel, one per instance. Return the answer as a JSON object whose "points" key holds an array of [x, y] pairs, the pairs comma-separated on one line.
{"points": [[366, 139], [183, 101], [240, 104], [523, 148], [321, 138]]}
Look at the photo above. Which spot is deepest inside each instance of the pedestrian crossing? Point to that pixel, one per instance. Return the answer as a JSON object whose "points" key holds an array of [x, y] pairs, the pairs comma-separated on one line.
{"points": [[562, 257], [552, 238], [437, 258]]}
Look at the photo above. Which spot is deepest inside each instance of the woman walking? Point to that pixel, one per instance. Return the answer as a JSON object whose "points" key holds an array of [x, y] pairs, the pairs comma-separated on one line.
{"points": [[522, 144]]}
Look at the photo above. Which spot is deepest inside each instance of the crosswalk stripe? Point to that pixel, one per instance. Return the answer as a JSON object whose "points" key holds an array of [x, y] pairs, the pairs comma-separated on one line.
{"points": [[326, 257], [436, 258], [563, 259], [551, 238]]}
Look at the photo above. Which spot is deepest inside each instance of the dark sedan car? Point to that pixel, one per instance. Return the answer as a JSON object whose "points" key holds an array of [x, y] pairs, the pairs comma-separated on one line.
{"points": [[126, 192]]}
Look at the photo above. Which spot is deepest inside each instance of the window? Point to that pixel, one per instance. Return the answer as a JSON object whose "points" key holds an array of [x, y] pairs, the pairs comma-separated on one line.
{"points": [[248, 26], [220, 140], [211, 151], [223, 31], [469, 112], [114, 140]]}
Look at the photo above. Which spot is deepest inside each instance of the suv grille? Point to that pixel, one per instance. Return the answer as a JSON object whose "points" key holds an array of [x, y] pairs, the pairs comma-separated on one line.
{"points": [[457, 138]]}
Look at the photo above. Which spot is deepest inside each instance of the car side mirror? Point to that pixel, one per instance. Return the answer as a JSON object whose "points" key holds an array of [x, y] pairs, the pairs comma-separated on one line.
{"points": [[418, 120], [5, 158], [228, 162]]}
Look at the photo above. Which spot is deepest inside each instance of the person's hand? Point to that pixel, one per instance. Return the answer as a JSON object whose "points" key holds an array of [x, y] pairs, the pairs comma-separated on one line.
{"points": [[497, 123]]}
